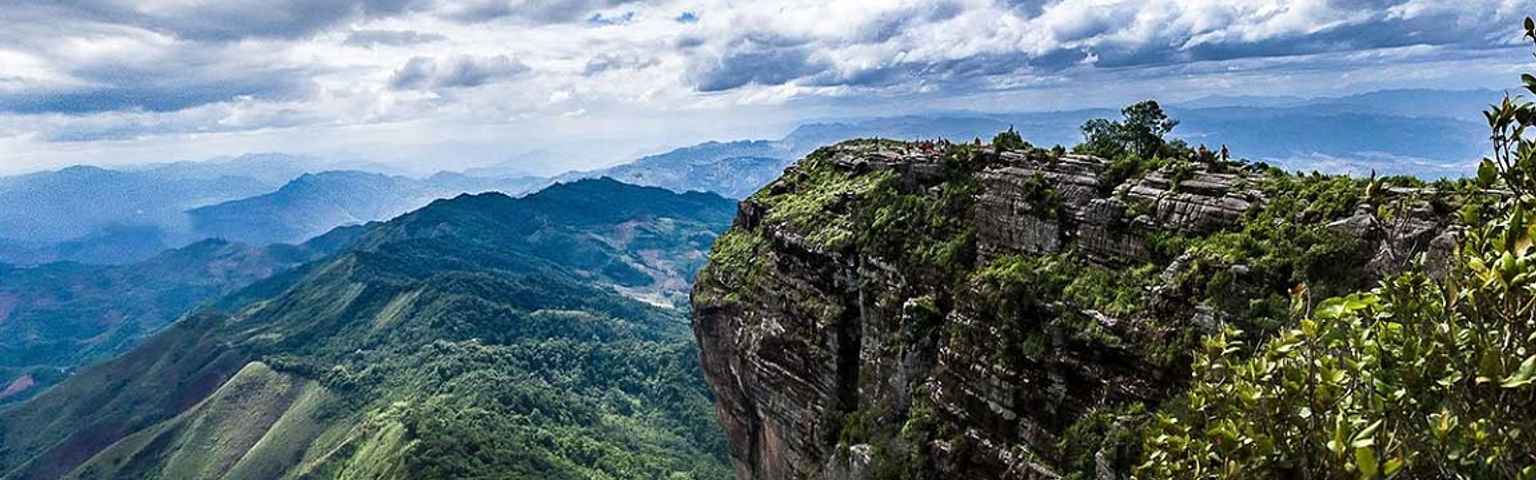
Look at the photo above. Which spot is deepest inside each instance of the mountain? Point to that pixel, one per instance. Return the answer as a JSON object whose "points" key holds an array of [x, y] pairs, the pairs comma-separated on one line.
{"points": [[111, 244], [733, 169], [921, 310], [110, 216], [1412, 103], [62, 316], [104, 216], [315, 203], [482, 336], [270, 169], [526, 164], [78, 201], [1340, 141], [1393, 132]]}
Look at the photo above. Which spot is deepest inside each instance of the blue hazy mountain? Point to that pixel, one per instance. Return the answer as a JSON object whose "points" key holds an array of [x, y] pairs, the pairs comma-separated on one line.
{"points": [[271, 169], [76, 201], [116, 216], [316, 203], [1408, 132]]}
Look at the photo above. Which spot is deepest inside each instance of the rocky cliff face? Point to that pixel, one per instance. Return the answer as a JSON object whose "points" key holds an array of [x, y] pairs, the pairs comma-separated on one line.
{"points": [[898, 310]]}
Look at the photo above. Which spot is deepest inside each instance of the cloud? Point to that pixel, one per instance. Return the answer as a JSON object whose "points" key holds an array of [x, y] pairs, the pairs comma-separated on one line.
{"points": [[122, 71], [606, 20], [391, 38], [608, 61], [537, 11], [768, 66], [152, 74], [903, 44], [226, 20], [422, 73]]}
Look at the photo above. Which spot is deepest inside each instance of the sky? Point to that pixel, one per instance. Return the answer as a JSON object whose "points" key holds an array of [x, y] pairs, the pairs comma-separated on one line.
{"points": [[445, 84]]}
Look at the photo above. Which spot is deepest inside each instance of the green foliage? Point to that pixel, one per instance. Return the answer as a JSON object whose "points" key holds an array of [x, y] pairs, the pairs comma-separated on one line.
{"points": [[1418, 378], [1009, 140], [1112, 431], [1396, 382], [63, 316], [735, 259], [1281, 244], [1139, 133], [820, 192], [476, 338]]}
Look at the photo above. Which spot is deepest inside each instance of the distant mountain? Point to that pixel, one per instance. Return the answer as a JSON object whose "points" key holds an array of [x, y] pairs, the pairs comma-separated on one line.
{"points": [[315, 203], [736, 169], [733, 169], [1451, 104], [78, 201], [526, 164], [61, 316], [106, 216], [1399, 132], [1339, 142], [116, 216], [271, 169], [479, 337], [1252, 101]]}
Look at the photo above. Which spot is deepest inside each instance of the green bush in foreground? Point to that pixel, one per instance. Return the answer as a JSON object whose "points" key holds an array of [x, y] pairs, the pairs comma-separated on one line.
{"points": [[1418, 378]]}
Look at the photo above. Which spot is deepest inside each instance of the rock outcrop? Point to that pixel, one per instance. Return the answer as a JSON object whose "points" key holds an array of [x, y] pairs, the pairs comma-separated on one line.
{"points": [[838, 359]]}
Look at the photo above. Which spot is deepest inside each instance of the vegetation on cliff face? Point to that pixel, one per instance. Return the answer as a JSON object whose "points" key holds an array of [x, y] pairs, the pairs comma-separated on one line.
{"points": [[1417, 378], [1096, 352]]}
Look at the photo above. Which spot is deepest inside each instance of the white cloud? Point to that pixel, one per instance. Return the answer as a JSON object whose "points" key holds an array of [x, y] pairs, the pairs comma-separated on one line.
{"points": [[115, 72]]}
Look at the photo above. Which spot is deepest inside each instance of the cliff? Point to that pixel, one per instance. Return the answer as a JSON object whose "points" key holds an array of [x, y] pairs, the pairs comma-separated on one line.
{"points": [[918, 310]]}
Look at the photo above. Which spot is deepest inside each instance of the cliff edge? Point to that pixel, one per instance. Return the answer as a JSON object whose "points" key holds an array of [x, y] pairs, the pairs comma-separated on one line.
{"points": [[922, 310]]}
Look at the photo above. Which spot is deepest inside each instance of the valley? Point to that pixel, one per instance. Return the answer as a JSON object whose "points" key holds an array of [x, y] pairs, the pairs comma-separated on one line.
{"points": [[475, 336]]}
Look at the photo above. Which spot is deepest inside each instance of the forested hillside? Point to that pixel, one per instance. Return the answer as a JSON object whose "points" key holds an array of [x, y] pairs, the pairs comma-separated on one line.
{"points": [[478, 337], [58, 317]]}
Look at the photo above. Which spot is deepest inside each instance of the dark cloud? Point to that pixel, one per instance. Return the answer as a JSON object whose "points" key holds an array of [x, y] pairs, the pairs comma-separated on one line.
{"points": [[1055, 36], [687, 17], [161, 97], [605, 20], [604, 62], [173, 79], [768, 66], [393, 38], [538, 11], [686, 42], [225, 20], [423, 73]]}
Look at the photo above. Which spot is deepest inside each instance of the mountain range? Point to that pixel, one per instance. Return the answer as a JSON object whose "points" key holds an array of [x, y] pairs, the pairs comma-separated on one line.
{"points": [[483, 336], [102, 216], [1395, 132], [314, 203], [64, 315]]}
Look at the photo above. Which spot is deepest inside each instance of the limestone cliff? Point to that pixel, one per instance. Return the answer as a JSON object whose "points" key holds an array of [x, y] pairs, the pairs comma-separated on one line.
{"points": [[925, 310]]}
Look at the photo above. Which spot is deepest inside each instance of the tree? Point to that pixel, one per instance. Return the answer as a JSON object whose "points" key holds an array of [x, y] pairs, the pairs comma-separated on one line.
{"points": [[1140, 132], [1101, 137], [1009, 140], [1144, 126]]}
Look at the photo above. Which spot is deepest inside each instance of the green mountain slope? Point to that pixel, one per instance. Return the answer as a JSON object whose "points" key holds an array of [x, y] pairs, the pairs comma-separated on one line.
{"points": [[61, 316], [479, 337]]}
